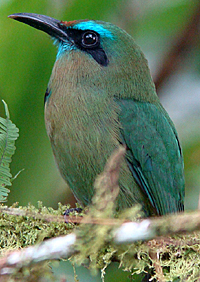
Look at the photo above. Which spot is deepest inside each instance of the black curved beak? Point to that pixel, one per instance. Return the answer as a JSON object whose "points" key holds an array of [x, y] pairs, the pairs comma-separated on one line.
{"points": [[47, 24]]}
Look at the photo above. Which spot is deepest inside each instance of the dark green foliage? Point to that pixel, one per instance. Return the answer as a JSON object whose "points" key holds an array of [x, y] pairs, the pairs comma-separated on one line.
{"points": [[8, 136]]}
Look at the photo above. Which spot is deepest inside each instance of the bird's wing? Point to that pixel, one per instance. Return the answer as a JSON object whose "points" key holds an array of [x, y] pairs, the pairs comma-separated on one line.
{"points": [[153, 154]]}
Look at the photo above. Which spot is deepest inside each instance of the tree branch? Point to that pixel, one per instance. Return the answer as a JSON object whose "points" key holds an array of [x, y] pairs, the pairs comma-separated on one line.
{"points": [[128, 232]]}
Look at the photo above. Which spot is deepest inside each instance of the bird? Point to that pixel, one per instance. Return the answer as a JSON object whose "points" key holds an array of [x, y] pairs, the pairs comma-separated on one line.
{"points": [[101, 95]]}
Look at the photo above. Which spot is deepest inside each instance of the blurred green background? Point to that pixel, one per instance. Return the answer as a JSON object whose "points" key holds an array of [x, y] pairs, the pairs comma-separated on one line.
{"points": [[27, 57]]}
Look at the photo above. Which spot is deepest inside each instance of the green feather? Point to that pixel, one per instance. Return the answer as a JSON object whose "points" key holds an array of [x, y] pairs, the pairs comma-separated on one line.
{"points": [[153, 154]]}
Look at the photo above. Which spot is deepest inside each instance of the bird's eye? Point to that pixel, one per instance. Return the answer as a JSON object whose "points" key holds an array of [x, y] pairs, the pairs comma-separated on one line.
{"points": [[90, 39]]}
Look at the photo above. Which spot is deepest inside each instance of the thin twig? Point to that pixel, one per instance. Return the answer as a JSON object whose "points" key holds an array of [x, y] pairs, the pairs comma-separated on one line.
{"points": [[157, 266]]}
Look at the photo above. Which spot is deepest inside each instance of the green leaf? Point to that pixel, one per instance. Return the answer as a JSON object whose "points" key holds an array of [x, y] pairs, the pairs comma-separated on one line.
{"points": [[8, 135]]}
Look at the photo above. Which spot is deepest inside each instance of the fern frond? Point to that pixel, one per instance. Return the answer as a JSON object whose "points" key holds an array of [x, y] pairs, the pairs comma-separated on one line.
{"points": [[8, 135]]}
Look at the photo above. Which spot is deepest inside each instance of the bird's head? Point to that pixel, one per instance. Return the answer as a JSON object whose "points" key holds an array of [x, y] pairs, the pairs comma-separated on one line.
{"points": [[107, 50]]}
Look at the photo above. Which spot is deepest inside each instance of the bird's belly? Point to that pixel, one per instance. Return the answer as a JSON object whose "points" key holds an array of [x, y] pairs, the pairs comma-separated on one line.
{"points": [[82, 142], [81, 149]]}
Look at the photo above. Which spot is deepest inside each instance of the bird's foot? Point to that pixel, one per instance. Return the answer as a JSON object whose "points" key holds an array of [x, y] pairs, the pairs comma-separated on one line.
{"points": [[71, 212]]}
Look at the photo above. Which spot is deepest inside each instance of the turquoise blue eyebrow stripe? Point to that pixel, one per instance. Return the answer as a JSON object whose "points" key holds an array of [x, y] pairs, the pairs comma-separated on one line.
{"points": [[94, 26]]}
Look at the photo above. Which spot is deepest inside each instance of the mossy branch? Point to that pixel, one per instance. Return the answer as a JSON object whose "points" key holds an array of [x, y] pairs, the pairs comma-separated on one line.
{"points": [[65, 246]]}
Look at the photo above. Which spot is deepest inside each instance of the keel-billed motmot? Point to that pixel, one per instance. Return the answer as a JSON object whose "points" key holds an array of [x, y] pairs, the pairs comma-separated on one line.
{"points": [[100, 95]]}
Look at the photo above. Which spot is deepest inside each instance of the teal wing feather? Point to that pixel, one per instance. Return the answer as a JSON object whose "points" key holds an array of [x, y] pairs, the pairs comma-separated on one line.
{"points": [[153, 154]]}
